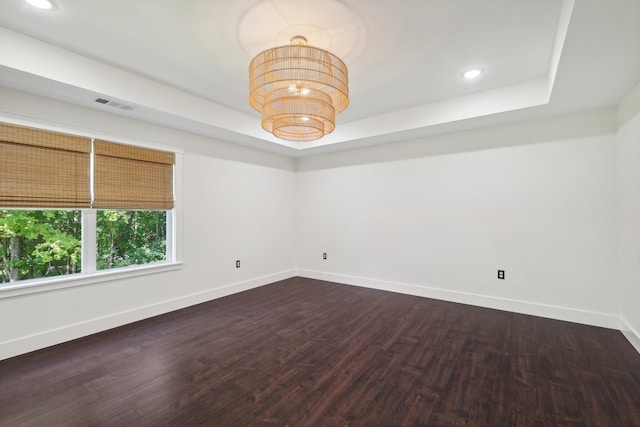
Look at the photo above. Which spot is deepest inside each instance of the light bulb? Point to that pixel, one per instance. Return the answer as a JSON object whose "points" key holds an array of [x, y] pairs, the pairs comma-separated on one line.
{"points": [[472, 74]]}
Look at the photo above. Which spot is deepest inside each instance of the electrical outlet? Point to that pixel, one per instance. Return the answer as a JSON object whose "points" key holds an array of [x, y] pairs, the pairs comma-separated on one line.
{"points": [[324, 255], [501, 274], [238, 263]]}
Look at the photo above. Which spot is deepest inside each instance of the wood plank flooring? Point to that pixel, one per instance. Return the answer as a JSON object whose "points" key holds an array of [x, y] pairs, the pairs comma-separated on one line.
{"points": [[303, 352]]}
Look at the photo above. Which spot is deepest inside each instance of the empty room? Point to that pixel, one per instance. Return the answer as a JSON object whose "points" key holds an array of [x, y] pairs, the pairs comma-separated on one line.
{"points": [[320, 213]]}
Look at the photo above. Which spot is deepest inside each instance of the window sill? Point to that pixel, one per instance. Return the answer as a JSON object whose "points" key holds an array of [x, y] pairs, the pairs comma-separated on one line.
{"points": [[34, 286]]}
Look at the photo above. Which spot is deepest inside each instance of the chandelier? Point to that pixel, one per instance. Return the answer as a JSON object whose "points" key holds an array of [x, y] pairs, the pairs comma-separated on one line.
{"points": [[299, 89]]}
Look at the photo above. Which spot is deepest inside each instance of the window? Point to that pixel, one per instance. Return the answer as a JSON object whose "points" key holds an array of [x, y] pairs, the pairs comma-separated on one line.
{"points": [[45, 243], [74, 205]]}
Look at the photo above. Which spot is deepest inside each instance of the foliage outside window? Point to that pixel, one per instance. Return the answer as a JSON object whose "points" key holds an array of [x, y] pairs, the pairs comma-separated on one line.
{"points": [[131, 238], [36, 244]]}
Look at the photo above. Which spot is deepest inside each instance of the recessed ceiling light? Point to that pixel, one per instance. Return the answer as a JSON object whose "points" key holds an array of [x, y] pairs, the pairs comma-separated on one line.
{"points": [[472, 74], [41, 4]]}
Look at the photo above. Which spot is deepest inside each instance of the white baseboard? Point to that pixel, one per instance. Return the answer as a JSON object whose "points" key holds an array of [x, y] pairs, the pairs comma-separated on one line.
{"points": [[631, 334], [523, 307], [56, 336]]}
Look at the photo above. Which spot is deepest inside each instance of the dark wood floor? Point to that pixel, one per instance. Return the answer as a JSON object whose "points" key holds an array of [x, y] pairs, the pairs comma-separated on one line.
{"points": [[309, 353]]}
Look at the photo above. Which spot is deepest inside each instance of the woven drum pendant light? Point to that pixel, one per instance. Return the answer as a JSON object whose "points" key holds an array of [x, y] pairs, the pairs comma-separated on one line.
{"points": [[298, 89]]}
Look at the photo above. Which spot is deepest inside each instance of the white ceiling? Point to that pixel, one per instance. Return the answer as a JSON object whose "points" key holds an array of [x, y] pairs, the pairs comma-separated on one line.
{"points": [[184, 63]]}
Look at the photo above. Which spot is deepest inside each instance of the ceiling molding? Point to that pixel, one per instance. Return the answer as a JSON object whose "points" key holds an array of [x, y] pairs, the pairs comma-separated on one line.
{"points": [[53, 70]]}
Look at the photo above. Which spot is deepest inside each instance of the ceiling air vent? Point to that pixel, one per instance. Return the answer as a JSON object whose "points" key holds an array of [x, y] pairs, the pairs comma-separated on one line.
{"points": [[114, 104]]}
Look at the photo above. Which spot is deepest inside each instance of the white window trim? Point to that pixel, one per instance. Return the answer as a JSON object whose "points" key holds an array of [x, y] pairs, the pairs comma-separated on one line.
{"points": [[33, 286], [89, 241]]}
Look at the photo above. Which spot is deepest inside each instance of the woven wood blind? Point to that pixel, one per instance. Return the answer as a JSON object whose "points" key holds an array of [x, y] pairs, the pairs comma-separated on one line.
{"points": [[42, 169], [127, 177]]}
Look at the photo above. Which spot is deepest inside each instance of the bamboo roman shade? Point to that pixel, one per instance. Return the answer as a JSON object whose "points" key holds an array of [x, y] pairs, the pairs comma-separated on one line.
{"points": [[43, 169], [127, 177]]}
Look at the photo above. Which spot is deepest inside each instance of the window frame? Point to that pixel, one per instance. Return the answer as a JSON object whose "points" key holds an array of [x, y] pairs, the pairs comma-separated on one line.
{"points": [[33, 286]]}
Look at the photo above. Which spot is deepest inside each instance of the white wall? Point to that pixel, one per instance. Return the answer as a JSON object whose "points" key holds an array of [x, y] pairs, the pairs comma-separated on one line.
{"points": [[236, 203], [628, 169], [442, 224], [435, 217]]}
